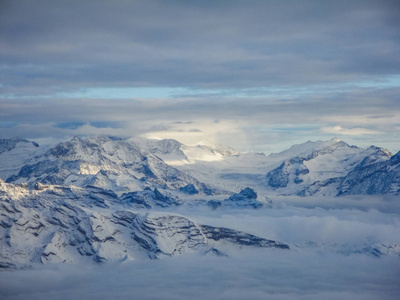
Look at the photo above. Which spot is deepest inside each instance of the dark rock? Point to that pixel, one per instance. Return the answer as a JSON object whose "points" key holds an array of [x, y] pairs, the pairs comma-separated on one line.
{"points": [[214, 204], [239, 238], [246, 198], [189, 189]]}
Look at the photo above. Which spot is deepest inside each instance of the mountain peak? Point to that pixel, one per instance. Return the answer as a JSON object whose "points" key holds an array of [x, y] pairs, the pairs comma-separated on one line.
{"points": [[311, 148], [11, 143]]}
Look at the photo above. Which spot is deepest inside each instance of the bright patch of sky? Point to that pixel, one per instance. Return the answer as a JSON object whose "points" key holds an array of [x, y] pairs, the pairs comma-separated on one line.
{"points": [[123, 92], [176, 92]]}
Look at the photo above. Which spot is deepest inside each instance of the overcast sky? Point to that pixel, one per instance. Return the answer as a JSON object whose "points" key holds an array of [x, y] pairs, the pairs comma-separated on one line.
{"points": [[255, 75]]}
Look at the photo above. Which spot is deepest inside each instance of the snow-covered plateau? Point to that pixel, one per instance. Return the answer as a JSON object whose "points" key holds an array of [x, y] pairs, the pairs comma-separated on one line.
{"points": [[162, 220]]}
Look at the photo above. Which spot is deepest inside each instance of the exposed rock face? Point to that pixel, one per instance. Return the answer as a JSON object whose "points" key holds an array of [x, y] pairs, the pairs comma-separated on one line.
{"points": [[245, 199], [9, 144], [239, 238], [189, 189], [373, 178], [167, 234], [149, 199], [279, 177], [323, 188]]}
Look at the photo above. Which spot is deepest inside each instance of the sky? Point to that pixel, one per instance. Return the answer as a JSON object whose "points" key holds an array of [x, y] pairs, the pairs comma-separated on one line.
{"points": [[254, 75]]}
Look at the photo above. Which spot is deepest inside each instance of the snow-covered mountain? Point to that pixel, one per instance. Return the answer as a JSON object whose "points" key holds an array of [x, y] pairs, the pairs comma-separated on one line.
{"points": [[373, 177], [53, 224], [12, 143], [14, 153], [105, 162], [319, 167], [100, 198], [131, 165], [312, 168], [175, 153]]}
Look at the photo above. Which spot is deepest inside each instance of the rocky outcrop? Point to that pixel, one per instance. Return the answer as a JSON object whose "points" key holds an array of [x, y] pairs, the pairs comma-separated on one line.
{"points": [[246, 198], [239, 238], [189, 189], [9, 144], [289, 170], [371, 178], [149, 198]]}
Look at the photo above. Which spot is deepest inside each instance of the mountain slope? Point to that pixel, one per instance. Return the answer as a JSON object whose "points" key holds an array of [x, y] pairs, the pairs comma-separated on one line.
{"points": [[14, 153], [95, 199], [318, 168], [105, 162], [54, 224], [175, 153], [373, 178], [12, 143]]}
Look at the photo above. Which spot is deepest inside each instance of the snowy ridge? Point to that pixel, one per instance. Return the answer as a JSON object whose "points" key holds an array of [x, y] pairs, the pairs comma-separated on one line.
{"points": [[10, 144], [320, 167], [104, 162], [54, 224], [373, 177], [14, 153], [175, 153], [129, 165]]}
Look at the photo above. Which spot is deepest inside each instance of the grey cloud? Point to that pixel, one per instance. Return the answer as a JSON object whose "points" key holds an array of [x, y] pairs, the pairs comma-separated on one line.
{"points": [[69, 125], [182, 122], [271, 66], [107, 124], [219, 44], [254, 276], [268, 121]]}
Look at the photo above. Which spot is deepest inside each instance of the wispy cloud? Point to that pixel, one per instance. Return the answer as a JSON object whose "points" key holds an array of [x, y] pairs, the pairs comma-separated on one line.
{"points": [[348, 131]]}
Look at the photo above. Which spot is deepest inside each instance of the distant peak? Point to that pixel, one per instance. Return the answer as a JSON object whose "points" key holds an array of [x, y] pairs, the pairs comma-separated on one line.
{"points": [[76, 138], [11, 143]]}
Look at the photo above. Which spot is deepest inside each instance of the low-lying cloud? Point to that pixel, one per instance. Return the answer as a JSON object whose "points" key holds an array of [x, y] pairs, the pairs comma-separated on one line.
{"points": [[255, 275]]}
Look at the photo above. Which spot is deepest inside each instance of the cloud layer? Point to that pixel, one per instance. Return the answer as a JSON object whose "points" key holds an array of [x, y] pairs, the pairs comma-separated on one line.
{"points": [[223, 44], [268, 72], [254, 276]]}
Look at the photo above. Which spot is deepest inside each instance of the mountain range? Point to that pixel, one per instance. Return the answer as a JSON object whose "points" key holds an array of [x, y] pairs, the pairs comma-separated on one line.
{"points": [[112, 199]]}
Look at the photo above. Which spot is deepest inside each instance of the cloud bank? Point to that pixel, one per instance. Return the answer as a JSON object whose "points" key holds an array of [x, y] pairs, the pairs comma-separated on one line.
{"points": [[278, 72]]}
